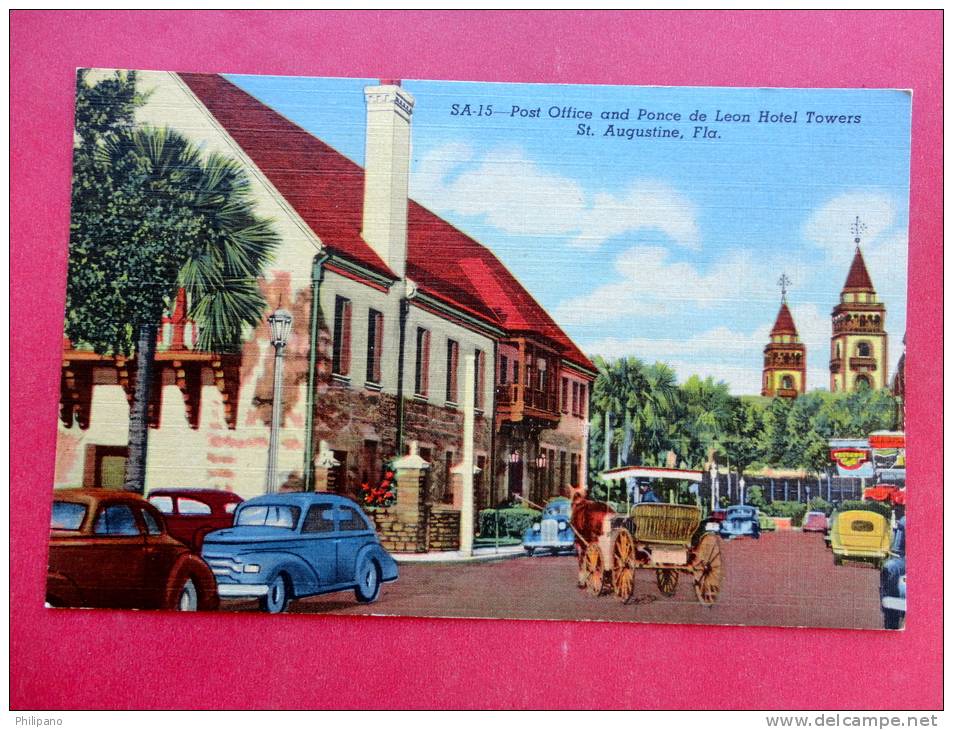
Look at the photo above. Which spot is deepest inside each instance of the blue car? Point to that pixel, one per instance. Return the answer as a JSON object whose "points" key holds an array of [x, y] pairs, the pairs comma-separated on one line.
{"points": [[741, 520], [552, 531], [285, 546], [893, 579]]}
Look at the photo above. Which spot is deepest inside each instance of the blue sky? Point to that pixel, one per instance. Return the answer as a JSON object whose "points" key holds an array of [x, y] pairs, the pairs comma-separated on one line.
{"points": [[666, 249]]}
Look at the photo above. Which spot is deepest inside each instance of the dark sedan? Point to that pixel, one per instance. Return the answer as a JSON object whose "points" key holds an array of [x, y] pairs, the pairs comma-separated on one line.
{"points": [[110, 549]]}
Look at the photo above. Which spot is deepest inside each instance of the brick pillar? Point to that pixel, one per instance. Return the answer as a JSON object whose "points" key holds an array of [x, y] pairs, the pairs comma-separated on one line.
{"points": [[411, 508], [324, 469]]}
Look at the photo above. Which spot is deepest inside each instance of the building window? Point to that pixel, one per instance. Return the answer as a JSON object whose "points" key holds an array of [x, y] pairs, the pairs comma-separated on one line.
{"points": [[562, 470], [453, 356], [575, 398], [574, 470], [564, 396], [422, 370], [447, 478], [516, 372], [504, 364], [341, 357], [375, 341], [863, 349], [787, 382], [478, 379], [583, 400]]}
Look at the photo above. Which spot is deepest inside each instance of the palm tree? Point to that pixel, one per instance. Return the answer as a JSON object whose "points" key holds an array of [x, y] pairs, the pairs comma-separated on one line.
{"points": [[196, 228]]}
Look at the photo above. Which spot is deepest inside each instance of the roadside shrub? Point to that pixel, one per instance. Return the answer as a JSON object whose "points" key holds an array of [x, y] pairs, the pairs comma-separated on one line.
{"points": [[819, 504], [755, 497], [513, 521], [867, 504], [794, 510]]}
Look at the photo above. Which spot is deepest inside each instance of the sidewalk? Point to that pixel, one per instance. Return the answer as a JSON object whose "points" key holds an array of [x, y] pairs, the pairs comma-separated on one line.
{"points": [[482, 554]]}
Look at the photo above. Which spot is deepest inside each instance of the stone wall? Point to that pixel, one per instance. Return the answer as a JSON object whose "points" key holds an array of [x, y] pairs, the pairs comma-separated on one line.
{"points": [[397, 535], [444, 532]]}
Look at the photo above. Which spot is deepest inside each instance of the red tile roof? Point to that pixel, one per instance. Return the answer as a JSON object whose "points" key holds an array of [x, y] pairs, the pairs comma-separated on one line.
{"points": [[784, 324], [857, 277], [327, 191]]}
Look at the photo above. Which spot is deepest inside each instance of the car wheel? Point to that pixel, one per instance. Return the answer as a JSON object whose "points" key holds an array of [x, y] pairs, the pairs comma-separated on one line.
{"points": [[188, 599], [530, 551], [277, 598], [367, 582], [838, 560]]}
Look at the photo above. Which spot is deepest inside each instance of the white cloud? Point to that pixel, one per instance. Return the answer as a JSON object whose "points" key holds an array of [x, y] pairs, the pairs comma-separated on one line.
{"points": [[517, 196], [651, 284]]}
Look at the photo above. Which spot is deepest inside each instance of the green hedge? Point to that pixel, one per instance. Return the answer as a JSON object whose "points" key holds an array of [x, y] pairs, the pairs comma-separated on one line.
{"points": [[794, 510], [879, 507], [513, 521]]}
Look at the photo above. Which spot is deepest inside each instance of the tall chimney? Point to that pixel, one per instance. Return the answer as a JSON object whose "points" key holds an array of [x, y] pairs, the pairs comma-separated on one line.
{"points": [[387, 172]]}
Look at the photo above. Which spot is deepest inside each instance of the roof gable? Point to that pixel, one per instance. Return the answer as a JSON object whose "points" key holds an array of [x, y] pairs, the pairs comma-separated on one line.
{"points": [[858, 278], [784, 324]]}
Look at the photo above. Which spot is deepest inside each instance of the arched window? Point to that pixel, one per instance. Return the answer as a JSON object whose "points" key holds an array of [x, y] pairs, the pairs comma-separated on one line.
{"points": [[787, 382], [861, 381], [863, 349]]}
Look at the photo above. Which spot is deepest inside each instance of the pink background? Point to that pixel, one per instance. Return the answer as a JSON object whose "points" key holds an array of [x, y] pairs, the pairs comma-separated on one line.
{"points": [[108, 659]]}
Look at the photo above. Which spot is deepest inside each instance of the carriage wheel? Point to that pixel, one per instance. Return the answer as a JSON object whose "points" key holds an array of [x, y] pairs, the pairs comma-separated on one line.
{"points": [[667, 581], [707, 570], [594, 569], [623, 564]]}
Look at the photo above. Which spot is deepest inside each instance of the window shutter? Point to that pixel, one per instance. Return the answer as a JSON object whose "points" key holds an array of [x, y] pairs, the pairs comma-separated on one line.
{"points": [[378, 345], [346, 340]]}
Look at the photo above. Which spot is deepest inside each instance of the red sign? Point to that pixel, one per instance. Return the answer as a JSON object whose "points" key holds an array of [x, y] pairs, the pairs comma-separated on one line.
{"points": [[850, 459]]}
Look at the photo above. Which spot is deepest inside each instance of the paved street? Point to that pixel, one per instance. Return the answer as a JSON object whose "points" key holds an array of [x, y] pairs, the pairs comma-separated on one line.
{"points": [[784, 579]]}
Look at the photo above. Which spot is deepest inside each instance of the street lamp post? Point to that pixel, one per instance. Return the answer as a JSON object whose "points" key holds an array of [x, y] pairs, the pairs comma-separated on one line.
{"points": [[741, 487], [280, 324], [713, 472]]}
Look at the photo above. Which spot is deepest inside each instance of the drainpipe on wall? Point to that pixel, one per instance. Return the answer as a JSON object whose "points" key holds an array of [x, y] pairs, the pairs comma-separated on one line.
{"points": [[317, 276], [404, 311]]}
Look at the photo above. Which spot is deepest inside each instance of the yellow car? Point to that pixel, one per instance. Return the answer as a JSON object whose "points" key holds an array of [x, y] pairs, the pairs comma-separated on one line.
{"points": [[861, 535]]}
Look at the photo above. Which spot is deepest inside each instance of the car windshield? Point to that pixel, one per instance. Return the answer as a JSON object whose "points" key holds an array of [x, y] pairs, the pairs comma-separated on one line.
{"points": [[67, 516], [270, 515]]}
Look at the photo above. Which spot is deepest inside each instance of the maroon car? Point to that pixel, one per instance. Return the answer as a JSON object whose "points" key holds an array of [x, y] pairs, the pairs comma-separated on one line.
{"points": [[814, 522], [191, 513], [110, 549]]}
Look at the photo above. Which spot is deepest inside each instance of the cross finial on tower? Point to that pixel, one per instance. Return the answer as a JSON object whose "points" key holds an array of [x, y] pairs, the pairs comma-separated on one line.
{"points": [[858, 227], [784, 282]]}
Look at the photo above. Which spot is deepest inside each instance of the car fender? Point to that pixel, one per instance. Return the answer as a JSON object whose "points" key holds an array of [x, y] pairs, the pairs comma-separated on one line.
{"points": [[304, 579], [387, 564], [62, 591], [192, 566]]}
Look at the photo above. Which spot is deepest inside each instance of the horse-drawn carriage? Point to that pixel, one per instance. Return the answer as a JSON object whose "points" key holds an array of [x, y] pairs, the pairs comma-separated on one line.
{"points": [[664, 537]]}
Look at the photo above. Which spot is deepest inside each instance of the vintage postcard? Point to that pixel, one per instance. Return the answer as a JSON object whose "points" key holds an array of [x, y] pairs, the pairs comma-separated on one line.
{"points": [[428, 348]]}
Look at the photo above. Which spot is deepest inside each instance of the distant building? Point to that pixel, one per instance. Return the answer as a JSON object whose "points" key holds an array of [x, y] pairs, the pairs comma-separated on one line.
{"points": [[785, 358], [859, 337]]}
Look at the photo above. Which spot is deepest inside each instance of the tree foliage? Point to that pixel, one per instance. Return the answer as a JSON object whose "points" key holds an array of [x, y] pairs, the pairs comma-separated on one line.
{"points": [[151, 213]]}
